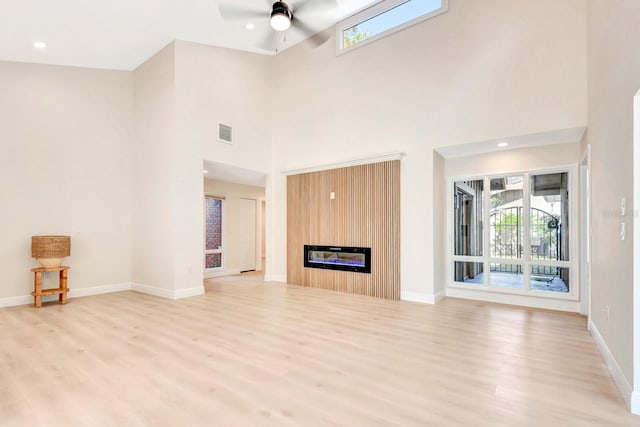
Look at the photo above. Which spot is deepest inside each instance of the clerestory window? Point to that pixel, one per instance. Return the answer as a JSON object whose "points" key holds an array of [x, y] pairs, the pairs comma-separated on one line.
{"points": [[384, 18]]}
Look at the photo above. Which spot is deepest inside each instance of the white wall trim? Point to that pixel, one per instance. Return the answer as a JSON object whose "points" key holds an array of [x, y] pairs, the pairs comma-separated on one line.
{"points": [[188, 292], [98, 290], [515, 299], [152, 290], [168, 293], [635, 219], [440, 294], [13, 301], [635, 403], [221, 273], [347, 163], [275, 278], [73, 293], [621, 382], [420, 297]]}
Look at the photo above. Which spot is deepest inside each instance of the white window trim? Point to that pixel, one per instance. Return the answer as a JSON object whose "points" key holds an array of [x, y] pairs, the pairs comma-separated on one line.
{"points": [[222, 238], [572, 264], [375, 10]]}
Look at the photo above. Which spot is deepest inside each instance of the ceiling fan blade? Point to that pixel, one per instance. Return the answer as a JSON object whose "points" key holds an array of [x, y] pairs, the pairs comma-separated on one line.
{"points": [[232, 13], [315, 37], [314, 6]]}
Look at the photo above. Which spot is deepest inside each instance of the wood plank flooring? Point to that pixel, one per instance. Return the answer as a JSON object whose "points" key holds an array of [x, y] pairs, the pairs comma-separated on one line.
{"points": [[258, 354]]}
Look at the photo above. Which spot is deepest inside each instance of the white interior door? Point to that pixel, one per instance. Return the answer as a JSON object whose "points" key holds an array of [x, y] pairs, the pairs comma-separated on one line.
{"points": [[247, 236]]}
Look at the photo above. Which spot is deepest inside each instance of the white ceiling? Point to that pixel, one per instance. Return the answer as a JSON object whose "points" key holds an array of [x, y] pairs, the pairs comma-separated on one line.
{"points": [[122, 34], [236, 175]]}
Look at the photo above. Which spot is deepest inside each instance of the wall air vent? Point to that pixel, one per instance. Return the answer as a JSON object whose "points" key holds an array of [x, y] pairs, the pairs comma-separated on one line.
{"points": [[224, 133]]}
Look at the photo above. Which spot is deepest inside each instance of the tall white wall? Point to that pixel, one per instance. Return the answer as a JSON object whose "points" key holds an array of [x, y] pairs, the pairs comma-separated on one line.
{"points": [[181, 94], [614, 79], [155, 177], [440, 255], [215, 85], [481, 71], [65, 160], [223, 85], [232, 228]]}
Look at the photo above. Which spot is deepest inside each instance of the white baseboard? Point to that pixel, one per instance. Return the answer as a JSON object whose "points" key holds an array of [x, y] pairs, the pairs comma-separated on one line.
{"points": [[419, 297], [624, 387], [168, 293], [275, 278], [221, 273], [13, 301], [440, 294], [189, 292], [106, 289], [635, 403], [73, 293], [97, 290], [152, 290]]}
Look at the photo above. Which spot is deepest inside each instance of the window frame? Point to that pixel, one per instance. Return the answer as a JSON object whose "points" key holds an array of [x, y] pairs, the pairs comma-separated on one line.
{"points": [[373, 11], [526, 261], [222, 237]]}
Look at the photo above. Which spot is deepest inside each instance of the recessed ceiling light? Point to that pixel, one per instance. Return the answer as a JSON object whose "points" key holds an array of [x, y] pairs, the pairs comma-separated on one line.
{"points": [[503, 144], [40, 45], [205, 171], [250, 26]]}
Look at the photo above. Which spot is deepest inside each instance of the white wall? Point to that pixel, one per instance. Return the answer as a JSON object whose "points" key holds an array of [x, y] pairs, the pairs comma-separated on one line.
{"points": [[216, 85], [481, 71], [614, 79], [180, 95], [439, 225], [155, 177], [229, 86], [232, 227], [65, 159], [517, 160]]}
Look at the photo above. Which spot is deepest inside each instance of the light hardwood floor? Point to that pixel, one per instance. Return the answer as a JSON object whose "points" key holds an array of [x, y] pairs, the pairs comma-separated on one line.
{"points": [[253, 354]]}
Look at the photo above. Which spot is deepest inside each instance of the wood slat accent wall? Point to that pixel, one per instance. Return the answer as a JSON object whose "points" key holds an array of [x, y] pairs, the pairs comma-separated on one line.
{"points": [[365, 212]]}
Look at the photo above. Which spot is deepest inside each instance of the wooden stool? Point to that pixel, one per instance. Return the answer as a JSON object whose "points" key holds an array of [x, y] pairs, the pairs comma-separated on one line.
{"points": [[38, 292]]}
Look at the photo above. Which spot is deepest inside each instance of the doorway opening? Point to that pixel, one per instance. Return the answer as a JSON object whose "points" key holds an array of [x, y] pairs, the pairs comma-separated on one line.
{"points": [[235, 243]]}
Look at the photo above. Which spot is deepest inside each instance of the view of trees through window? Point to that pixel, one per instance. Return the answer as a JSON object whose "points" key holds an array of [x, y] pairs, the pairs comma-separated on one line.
{"points": [[389, 17], [526, 242], [354, 35]]}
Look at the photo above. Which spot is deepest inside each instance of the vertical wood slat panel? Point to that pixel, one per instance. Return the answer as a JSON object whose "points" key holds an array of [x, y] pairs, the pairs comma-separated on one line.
{"points": [[365, 212]]}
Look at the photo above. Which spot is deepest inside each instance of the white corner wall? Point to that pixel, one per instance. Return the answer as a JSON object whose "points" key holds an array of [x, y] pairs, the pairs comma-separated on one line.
{"points": [[614, 79], [440, 256], [65, 158], [181, 94], [481, 71], [155, 176]]}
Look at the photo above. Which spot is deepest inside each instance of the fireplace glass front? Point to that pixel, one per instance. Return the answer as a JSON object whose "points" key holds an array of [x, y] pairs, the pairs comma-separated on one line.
{"points": [[338, 258]]}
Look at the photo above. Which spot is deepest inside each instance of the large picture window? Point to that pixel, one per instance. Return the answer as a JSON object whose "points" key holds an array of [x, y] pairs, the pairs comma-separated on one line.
{"points": [[512, 233]]}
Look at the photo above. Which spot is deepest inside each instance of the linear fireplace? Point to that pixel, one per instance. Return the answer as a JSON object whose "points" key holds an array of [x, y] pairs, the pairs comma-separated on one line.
{"points": [[345, 258]]}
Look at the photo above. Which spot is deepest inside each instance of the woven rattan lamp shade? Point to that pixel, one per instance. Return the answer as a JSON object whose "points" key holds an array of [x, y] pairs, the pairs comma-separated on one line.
{"points": [[50, 250]]}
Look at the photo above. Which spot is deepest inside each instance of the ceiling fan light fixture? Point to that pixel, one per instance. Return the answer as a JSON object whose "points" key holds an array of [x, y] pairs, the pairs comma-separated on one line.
{"points": [[281, 16]]}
